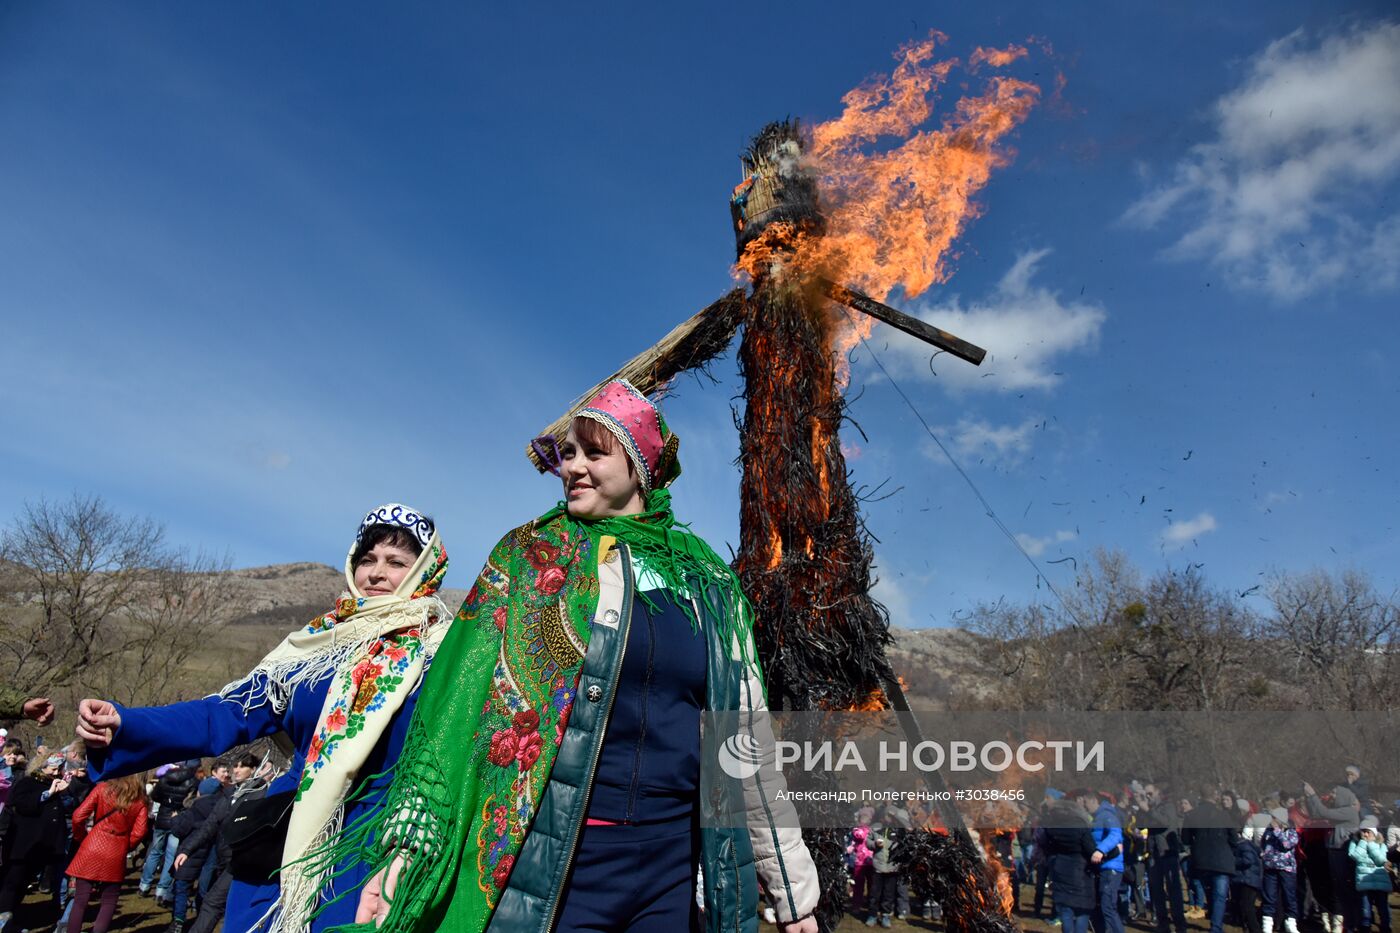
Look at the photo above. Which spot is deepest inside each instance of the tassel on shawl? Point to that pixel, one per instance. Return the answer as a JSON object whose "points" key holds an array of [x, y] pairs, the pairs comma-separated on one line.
{"points": [[416, 816]]}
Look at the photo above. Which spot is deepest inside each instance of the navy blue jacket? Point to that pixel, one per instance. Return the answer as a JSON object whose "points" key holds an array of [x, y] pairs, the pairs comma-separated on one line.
{"points": [[1069, 844], [1211, 839], [649, 768], [1249, 866]]}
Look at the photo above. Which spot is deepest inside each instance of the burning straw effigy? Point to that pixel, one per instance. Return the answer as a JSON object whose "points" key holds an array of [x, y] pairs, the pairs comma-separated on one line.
{"points": [[805, 554]]}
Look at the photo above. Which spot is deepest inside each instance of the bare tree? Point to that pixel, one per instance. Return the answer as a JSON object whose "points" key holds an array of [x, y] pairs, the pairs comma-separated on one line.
{"points": [[1337, 639], [1174, 643], [163, 630], [1188, 646], [93, 600], [1015, 654]]}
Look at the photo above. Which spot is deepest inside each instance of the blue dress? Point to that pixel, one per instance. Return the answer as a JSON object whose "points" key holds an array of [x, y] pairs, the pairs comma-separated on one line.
{"points": [[152, 736]]}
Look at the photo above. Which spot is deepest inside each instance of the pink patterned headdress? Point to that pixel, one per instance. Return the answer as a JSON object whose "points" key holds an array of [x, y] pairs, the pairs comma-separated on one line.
{"points": [[638, 425]]}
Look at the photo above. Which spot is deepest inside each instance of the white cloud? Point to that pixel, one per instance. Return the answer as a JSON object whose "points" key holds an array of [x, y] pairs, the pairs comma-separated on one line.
{"points": [[1279, 198], [1179, 534], [994, 444], [895, 598], [1276, 499], [1024, 327], [1036, 546], [900, 591]]}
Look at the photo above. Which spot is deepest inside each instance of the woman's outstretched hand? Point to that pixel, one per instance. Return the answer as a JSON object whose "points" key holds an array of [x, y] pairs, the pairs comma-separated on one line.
{"points": [[378, 893], [39, 709], [98, 721]]}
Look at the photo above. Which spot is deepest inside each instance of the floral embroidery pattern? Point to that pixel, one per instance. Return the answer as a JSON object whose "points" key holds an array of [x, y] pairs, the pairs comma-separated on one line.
{"points": [[501, 873], [534, 683], [550, 580], [362, 689]]}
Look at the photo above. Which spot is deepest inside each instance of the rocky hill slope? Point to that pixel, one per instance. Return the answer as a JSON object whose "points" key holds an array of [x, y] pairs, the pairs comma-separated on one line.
{"points": [[291, 594], [934, 663]]}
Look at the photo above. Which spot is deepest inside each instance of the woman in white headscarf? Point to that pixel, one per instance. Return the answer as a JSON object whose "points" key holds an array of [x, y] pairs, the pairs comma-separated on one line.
{"points": [[343, 687]]}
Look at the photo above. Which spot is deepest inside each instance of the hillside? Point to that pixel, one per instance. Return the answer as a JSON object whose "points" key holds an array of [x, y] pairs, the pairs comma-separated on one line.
{"points": [[935, 663], [287, 595], [273, 601]]}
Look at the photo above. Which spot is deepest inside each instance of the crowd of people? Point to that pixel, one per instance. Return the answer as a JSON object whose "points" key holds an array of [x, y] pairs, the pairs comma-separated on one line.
{"points": [[1140, 854], [880, 887], [74, 841], [1099, 859], [1265, 865]]}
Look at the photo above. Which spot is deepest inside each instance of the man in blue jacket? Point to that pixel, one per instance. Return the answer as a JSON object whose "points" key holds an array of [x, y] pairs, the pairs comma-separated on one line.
{"points": [[1108, 857]]}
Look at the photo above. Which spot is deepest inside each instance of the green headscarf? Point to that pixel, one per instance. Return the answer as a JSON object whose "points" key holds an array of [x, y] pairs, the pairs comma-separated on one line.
{"points": [[682, 559]]}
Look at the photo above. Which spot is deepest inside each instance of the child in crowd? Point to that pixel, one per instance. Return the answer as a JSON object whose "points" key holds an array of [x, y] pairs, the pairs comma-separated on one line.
{"points": [[1247, 882], [1279, 852], [1372, 878], [858, 857], [884, 891]]}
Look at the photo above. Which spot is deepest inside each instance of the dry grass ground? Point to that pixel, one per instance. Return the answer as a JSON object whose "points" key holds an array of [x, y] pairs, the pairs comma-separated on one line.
{"points": [[135, 912], [852, 924], [139, 914]]}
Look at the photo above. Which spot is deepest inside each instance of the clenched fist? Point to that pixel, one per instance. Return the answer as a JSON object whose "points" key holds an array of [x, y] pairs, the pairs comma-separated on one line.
{"points": [[98, 721]]}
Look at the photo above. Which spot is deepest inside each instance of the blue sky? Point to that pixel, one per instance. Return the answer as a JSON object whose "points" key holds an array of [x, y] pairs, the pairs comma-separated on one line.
{"points": [[263, 267]]}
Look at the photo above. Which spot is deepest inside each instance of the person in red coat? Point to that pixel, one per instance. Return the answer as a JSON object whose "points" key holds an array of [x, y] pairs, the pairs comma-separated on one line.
{"points": [[117, 810]]}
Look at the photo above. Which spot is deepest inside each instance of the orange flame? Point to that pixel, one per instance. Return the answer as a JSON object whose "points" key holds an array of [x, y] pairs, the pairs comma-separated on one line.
{"points": [[997, 58], [872, 702], [992, 818], [1002, 872], [893, 211], [892, 215], [875, 700]]}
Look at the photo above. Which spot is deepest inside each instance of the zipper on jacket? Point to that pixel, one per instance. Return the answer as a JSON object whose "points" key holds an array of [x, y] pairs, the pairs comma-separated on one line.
{"points": [[644, 707], [700, 624], [623, 628]]}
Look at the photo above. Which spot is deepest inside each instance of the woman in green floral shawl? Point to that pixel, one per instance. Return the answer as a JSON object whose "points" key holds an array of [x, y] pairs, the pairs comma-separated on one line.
{"points": [[550, 779]]}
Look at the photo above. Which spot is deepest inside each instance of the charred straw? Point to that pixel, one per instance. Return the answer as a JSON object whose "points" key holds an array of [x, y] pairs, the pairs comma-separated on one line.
{"points": [[805, 557], [948, 869]]}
